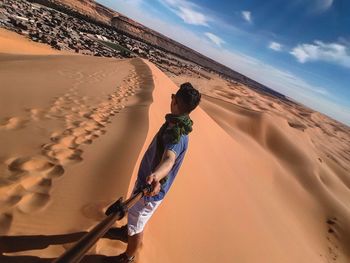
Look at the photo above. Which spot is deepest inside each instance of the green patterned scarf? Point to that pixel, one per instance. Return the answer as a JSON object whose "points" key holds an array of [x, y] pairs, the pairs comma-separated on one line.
{"points": [[182, 126]]}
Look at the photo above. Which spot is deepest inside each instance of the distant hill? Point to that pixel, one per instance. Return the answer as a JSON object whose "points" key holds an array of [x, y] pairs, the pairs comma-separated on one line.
{"points": [[95, 12]]}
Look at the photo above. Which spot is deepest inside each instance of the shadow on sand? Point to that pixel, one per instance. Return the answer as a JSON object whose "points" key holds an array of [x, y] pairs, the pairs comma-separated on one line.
{"points": [[11, 244]]}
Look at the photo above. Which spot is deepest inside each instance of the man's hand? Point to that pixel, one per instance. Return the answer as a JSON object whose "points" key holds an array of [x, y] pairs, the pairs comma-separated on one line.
{"points": [[154, 182], [161, 171]]}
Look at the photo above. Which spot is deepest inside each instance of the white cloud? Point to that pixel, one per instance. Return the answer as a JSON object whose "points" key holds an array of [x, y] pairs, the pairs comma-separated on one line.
{"points": [[320, 51], [187, 11], [315, 7], [215, 39], [322, 5], [192, 17], [275, 46], [247, 16], [280, 80]]}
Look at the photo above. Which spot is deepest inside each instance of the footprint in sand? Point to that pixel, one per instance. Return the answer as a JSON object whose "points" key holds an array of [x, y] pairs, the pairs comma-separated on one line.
{"points": [[85, 139], [100, 118], [9, 201], [63, 153], [65, 144], [30, 164], [75, 109], [36, 114], [5, 223], [33, 202], [83, 112], [32, 192], [12, 197], [37, 184], [333, 248], [13, 123], [10, 177], [55, 172], [93, 124], [59, 101], [65, 140], [79, 131], [78, 102], [34, 175]]}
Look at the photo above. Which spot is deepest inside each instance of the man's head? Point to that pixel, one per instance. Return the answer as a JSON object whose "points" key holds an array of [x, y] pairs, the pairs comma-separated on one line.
{"points": [[185, 100]]}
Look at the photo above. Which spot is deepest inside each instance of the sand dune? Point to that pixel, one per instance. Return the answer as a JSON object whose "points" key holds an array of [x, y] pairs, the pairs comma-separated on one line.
{"points": [[252, 189], [12, 43], [257, 184], [64, 156], [330, 137]]}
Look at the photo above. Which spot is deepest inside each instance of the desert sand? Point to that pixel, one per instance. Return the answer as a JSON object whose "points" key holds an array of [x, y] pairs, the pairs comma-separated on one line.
{"points": [[12, 43], [71, 130], [264, 182]]}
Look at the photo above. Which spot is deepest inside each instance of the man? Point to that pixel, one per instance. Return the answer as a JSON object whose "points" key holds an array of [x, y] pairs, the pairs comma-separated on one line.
{"points": [[159, 167]]}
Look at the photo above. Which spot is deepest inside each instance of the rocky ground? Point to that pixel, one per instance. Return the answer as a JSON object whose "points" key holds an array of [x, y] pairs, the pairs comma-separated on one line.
{"points": [[59, 30], [65, 32]]}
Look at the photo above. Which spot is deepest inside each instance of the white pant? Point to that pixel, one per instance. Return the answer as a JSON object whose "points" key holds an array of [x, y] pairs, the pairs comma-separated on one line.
{"points": [[139, 214]]}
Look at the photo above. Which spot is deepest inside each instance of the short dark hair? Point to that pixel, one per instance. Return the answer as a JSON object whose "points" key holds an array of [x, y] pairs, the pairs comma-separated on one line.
{"points": [[188, 97]]}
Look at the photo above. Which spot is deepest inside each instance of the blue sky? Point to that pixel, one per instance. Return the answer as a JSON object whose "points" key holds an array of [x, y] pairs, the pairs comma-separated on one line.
{"points": [[300, 48]]}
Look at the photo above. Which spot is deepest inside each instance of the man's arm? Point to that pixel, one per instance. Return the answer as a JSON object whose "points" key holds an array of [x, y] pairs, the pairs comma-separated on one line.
{"points": [[161, 171]]}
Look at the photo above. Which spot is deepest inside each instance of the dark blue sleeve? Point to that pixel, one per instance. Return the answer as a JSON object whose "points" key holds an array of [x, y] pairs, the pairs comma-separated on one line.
{"points": [[177, 148]]}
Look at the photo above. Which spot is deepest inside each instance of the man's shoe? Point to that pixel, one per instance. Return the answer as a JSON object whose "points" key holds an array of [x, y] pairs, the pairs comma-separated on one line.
{"points": [[122, 258], [118, 233]]}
